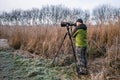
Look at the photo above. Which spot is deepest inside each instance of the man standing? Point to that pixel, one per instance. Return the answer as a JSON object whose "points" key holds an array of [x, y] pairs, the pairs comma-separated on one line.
{"points": [[80, 34]]}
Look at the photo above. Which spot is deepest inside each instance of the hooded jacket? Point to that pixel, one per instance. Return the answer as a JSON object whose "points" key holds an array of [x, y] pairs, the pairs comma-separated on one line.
{"points": [[80, 35]]}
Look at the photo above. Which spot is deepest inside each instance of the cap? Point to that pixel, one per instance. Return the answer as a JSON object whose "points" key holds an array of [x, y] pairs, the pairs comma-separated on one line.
{"points": [[80, 20]]}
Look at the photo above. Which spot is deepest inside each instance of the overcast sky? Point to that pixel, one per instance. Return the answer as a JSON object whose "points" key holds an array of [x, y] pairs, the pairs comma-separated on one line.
{"points": [[8, 5]]}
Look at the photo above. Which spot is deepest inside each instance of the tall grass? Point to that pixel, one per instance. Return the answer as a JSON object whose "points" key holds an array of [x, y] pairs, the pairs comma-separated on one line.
{"points": [[101, 38], [38, 40], [45, 41]]}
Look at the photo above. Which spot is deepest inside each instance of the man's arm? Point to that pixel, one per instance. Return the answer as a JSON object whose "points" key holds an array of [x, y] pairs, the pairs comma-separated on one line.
{"points": [[82, 26], [74, 33]]}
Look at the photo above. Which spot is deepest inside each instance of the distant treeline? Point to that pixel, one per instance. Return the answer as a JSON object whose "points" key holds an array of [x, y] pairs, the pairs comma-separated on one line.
{"points": [[56, 14]]}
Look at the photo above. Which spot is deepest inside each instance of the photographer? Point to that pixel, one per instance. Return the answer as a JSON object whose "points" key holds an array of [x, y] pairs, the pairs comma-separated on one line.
{"points": [[80, 34]]}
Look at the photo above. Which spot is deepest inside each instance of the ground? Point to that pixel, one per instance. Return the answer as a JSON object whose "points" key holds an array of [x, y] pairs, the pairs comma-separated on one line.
{"points": [[19, 67]]}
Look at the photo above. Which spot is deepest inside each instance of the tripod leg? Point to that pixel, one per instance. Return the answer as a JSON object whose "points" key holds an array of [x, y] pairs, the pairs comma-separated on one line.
{"points": [[59, 48], [72, 45], [73, 49]]}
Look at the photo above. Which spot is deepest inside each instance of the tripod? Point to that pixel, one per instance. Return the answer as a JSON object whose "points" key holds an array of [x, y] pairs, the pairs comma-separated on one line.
{"points": [[67, 33]]}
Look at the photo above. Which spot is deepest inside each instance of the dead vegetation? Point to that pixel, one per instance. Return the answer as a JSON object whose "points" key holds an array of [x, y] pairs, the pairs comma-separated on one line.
{"points": [[103, 41]]}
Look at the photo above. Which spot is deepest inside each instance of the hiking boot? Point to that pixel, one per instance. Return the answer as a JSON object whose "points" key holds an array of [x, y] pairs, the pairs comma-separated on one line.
{"points": [[81, 72]]}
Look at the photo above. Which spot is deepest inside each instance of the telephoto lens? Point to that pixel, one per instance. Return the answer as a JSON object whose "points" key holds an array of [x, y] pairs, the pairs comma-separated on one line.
{"points": [[65, 24]]}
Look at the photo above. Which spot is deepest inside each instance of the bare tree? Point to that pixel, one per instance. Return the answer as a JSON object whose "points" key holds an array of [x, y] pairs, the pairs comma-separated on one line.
{"points": [[104, 14], [45, 15]]}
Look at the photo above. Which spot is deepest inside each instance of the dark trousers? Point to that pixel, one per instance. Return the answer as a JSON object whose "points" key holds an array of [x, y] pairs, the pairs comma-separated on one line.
{"points": [[81, 59]]}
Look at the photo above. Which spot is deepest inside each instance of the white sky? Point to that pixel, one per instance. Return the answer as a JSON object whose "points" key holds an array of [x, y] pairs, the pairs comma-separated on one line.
{"points": [[8, 5]]}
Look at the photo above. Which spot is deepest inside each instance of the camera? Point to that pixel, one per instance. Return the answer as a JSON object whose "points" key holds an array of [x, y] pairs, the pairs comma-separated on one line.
{"points": [[67, 24]]}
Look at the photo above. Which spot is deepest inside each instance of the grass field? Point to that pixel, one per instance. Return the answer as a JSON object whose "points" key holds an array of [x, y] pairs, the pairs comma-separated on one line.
{"points": [[103, 41]]}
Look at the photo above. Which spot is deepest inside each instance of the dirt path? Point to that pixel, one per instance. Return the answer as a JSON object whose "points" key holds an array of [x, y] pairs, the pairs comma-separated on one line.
{"points": [[4, 43]]}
